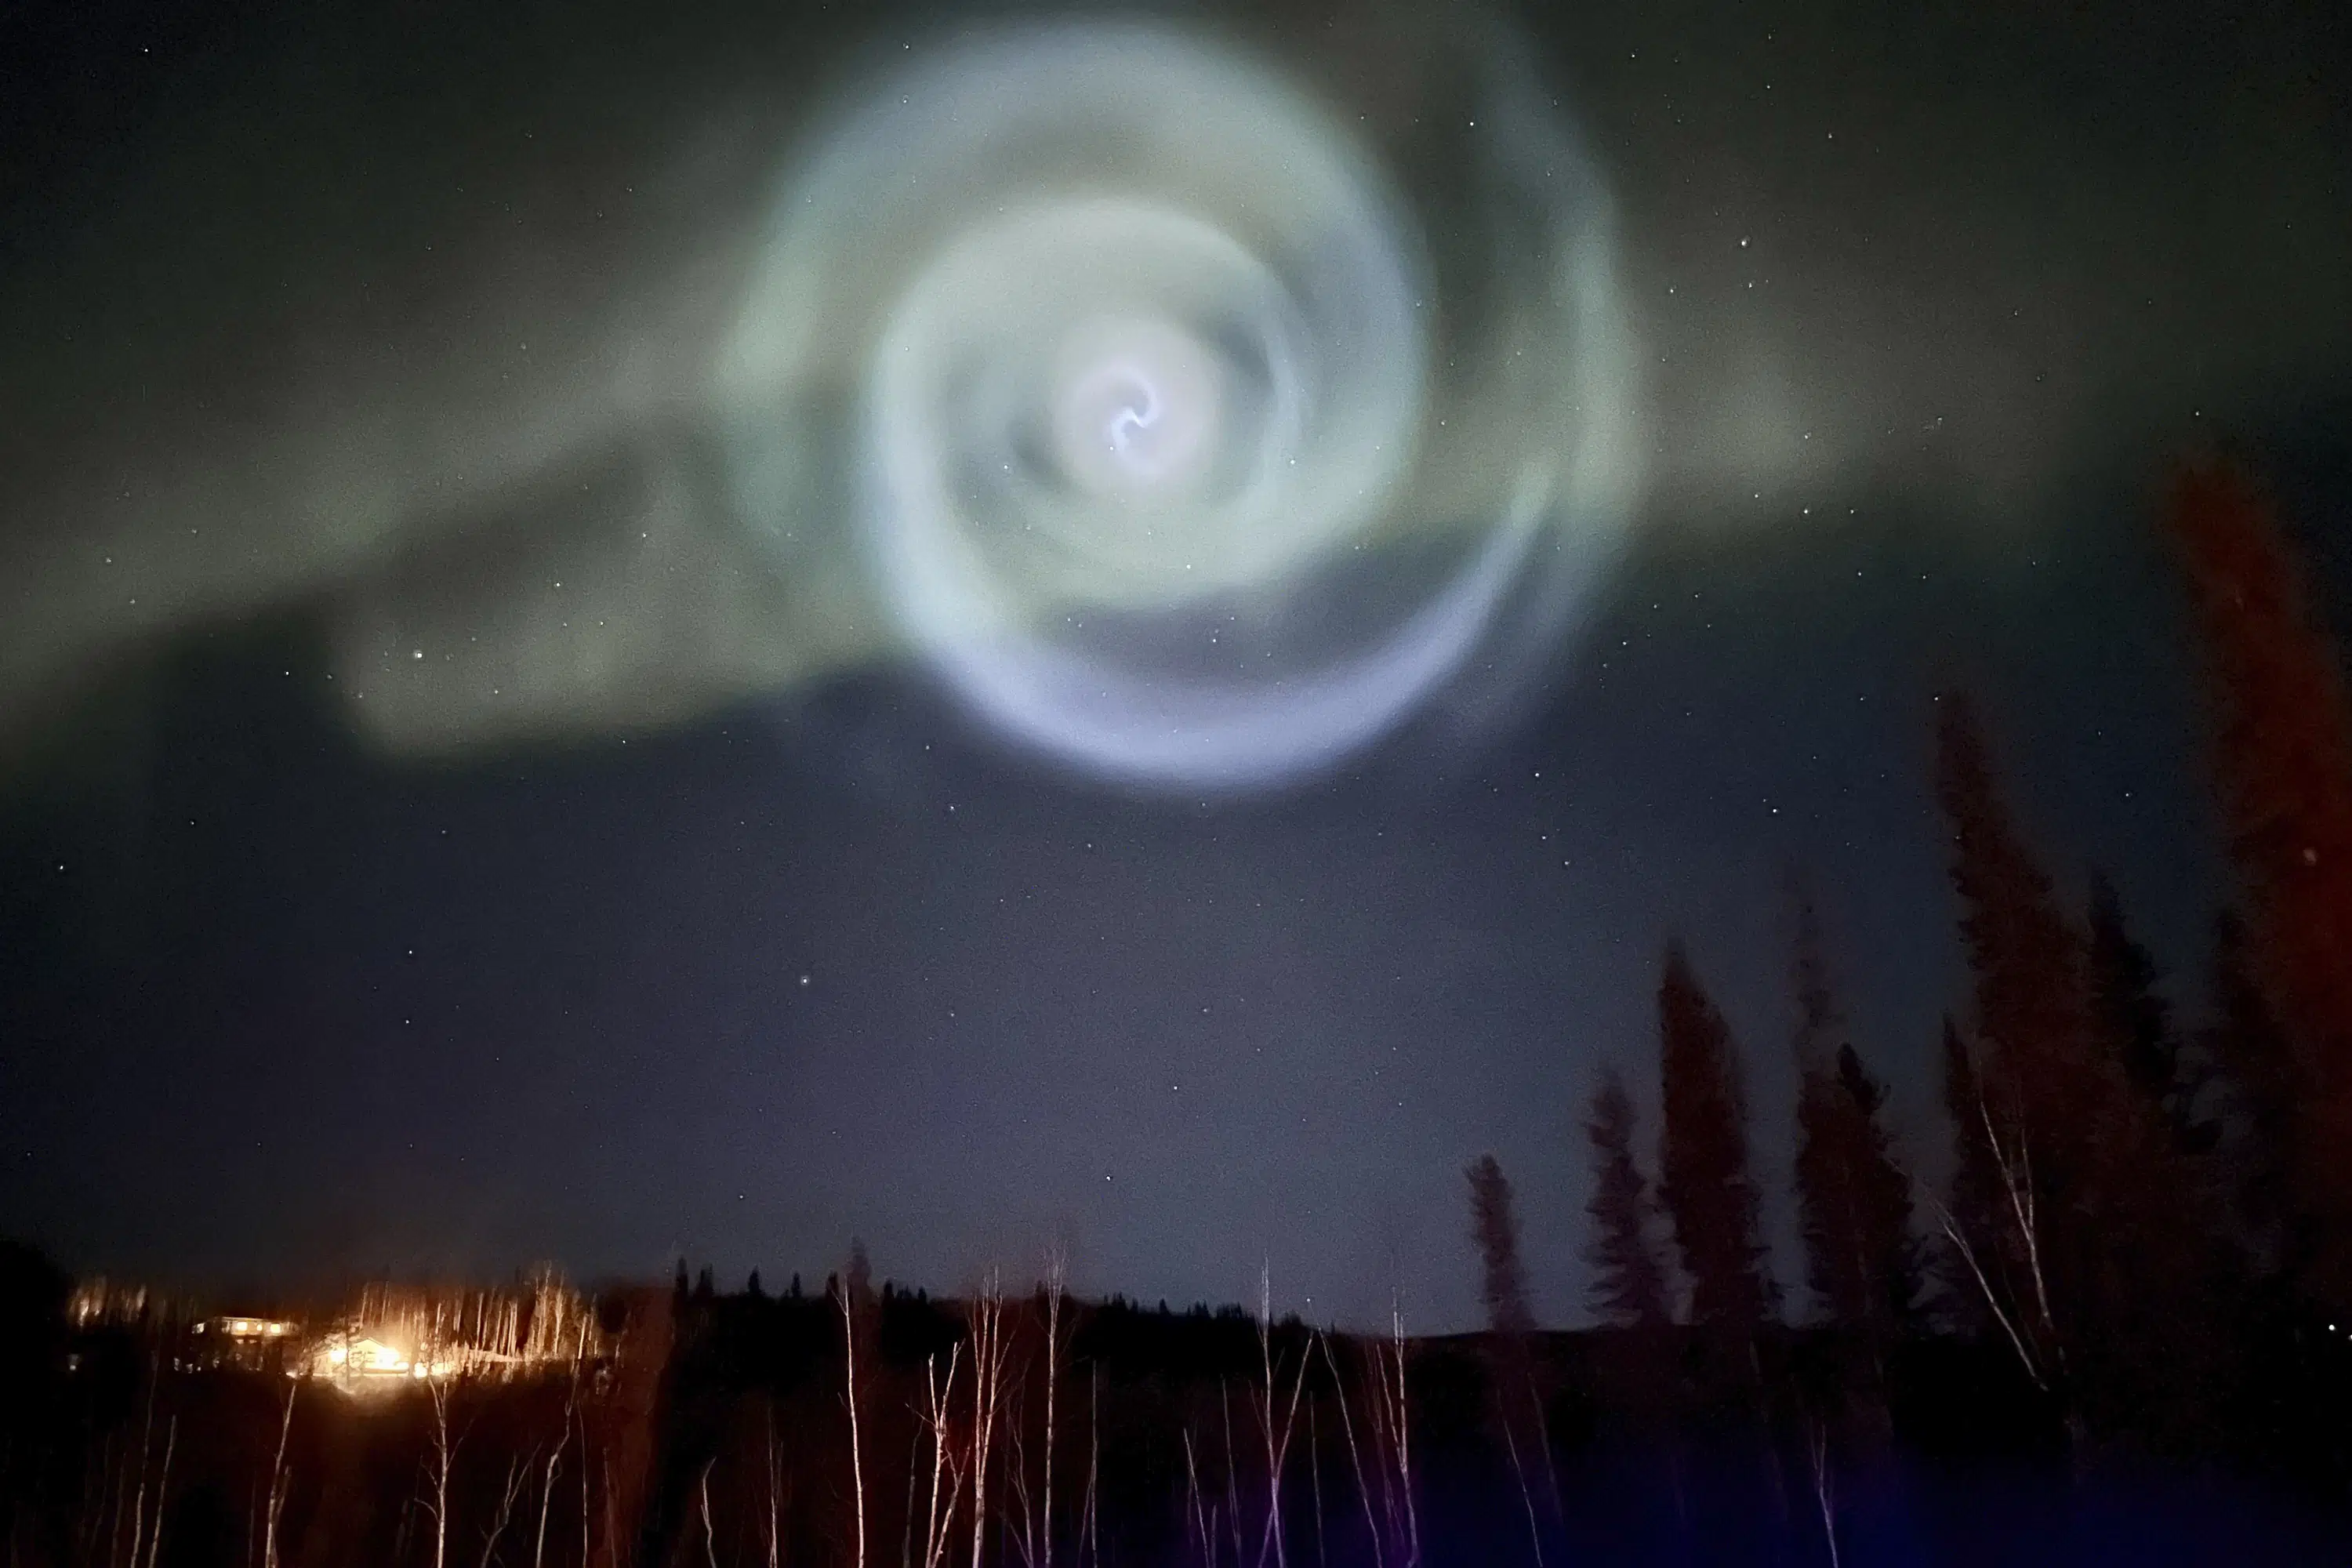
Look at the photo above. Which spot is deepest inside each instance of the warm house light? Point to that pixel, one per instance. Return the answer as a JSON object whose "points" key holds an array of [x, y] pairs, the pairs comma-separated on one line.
{"points": [[255, 1328], [353, 1358], [396, 1334]]}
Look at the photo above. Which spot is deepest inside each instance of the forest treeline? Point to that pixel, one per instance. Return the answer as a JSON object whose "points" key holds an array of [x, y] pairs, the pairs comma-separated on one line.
{"points": [[2135, 1262], [2152, 1217]]}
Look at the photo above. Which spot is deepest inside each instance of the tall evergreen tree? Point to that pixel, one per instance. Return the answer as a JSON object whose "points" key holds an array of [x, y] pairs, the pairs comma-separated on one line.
{"points": [[1889, 1248], [2282, 762], [2130, 1013], [1502, 1280], [2036, 1057], [2169, 1075], [1703, 1159], [1518, 1404], [1974, 1211], [1629, 1287], [2249, 1053], [2033, 1100], [2093, 1251], [1854, 1201]]}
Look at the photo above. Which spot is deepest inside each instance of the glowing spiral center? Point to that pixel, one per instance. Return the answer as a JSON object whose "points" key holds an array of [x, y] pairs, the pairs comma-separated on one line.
{"points": [[1137, 413], [1127, 344]]}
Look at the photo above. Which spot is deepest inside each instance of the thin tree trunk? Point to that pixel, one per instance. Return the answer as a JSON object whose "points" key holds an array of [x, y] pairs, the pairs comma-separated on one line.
{"points": [[1355, 1455], [1233, 1471], [438, 1390], [114, 1521], [1527, 1497], [1824, 1498], [1315, 1472], [1094, 1462], [856, 1452], [547, 1482], [277, 1479], [775, 1482], [162, 1493], [1401, 1420], [587, 1475], [914, 1468], [1052, 1370], [711, 1540], [146, 1443], [518, 1478], [611, 1517], [1193, 1493], [988, 1356]]}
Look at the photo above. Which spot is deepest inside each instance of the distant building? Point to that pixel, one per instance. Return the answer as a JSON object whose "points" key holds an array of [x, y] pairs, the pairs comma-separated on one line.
{"points": [[352, 1353], [247, 1328], [392, 1331], [252, 1344]]}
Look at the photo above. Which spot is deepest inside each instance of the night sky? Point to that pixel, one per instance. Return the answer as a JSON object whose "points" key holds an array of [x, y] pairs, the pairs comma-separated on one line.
{"points": [[732, 933]]}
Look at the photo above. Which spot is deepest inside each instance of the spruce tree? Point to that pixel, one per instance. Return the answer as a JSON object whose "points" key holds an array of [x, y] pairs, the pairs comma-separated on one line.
{"points": [[2037, 1059], [2033, 1097], [2283, 764], [2093, 1252], [2249, 1055], [1854, 1202], [1703, 1160], [1972, 1215], [1517, 1401], [1629, 1287], [1502, 1280], [2130, 1013], [1889, 1248]]}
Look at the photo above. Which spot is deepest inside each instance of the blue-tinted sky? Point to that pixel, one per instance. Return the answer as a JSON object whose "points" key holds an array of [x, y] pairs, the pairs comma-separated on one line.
{"points": [[752, 964]]}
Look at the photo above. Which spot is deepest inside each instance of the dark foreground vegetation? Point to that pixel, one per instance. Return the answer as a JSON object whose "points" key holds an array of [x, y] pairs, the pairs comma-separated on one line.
{"points": [[718, 1429], [2120, 1330]]}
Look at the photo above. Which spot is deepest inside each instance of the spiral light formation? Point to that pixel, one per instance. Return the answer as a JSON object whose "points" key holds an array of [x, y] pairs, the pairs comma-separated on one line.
{"points": [[1177, 444]]}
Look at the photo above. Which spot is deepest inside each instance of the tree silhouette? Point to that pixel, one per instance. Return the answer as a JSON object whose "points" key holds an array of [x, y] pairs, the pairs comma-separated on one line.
{"points": [[1510, 1323], [2093, 1253], [1629, 1287], [1973, 1209], [2283, 766], [1885, 1188], [2249, 1054], [1853, 1200], [1502, 1280], [1703, 1159], [2031, 1096], [2031, 1014], [2130, 1015]]}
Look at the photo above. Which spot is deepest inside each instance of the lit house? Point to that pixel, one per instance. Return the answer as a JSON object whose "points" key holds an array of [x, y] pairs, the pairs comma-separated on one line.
{"points": [[257, 1344], [248, 1328], [392, 1332], [353, 1354]]}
